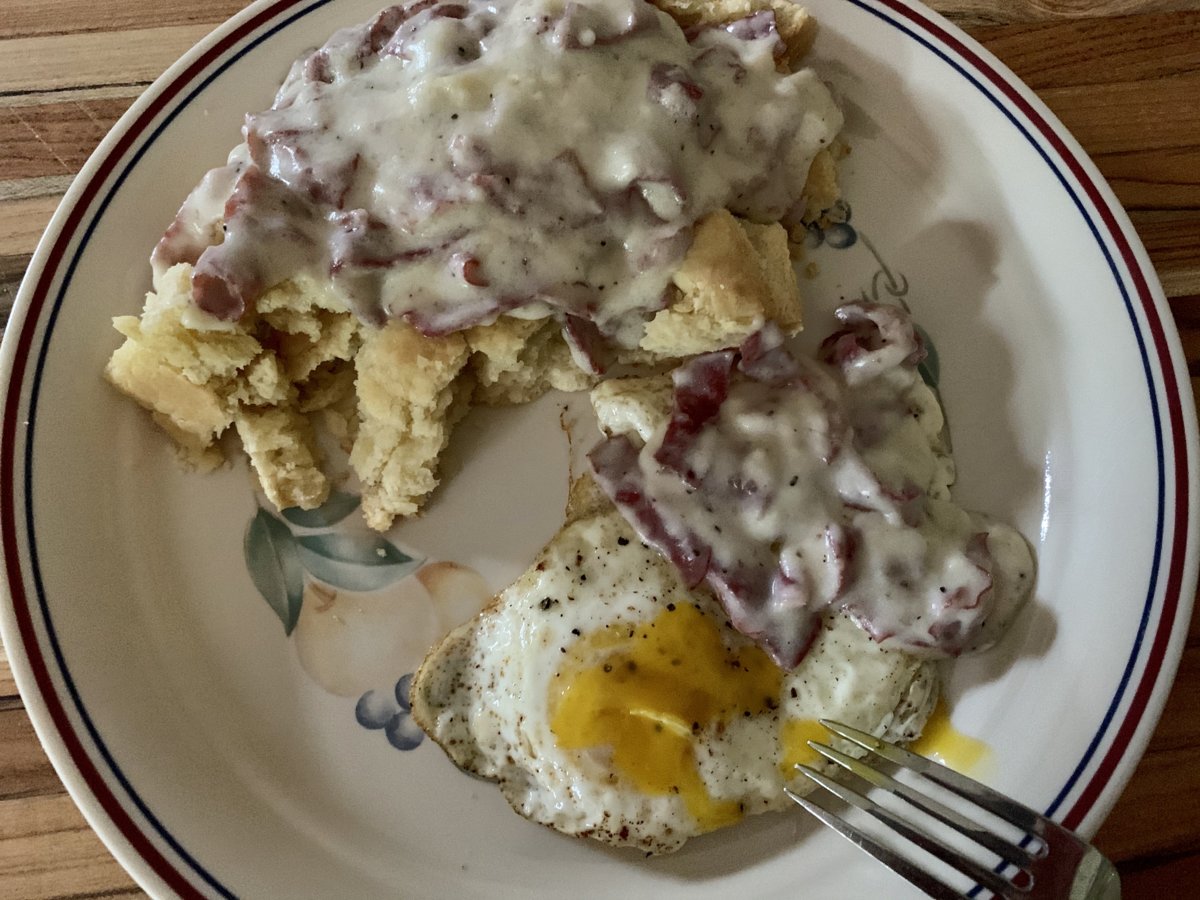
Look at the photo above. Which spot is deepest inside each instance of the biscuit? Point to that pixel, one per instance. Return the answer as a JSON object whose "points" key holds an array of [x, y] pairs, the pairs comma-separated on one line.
{"points": [[294, 355], [199, 382], [410, 396], [390, 396], [517, 360], [736, 277], [792, 21]]}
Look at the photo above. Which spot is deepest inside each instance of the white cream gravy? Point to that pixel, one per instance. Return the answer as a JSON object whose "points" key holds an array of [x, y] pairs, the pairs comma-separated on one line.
{"points": [[791, 488], [448, 162]]}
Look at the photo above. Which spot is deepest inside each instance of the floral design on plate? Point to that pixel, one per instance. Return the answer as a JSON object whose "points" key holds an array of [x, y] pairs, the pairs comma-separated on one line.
{"points": [[359, 610], [284, 563], [392, 713]]}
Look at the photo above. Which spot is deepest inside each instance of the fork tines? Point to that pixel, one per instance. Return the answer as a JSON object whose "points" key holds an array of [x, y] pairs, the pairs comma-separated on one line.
{"points": [[997, 804]]}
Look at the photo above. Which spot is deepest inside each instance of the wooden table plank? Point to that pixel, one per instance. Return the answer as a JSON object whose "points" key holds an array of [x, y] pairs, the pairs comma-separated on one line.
{"points": [[53, 62], [1153, 179], [1129, 117], [1056, 53], [23, 221], [48, 851], [56, 138], [26, 771], [8, 687], [991, 12], [1172, 238], [1162, 879], [23, 18], [1137, 827]]}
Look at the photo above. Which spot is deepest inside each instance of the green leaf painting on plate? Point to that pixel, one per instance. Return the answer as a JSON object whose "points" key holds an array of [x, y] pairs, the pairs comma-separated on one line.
{"points": [[337, 507], [324, 558], [354, 562], [273, 560], [279, 560]]}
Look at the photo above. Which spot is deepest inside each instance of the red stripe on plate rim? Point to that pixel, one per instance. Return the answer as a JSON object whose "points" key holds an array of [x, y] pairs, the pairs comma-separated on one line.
{"points": [[1175, 567], [101, 170]]}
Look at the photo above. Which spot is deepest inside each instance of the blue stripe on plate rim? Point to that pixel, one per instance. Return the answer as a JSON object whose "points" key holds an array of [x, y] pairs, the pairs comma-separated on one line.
{"points": [[267, 18]]}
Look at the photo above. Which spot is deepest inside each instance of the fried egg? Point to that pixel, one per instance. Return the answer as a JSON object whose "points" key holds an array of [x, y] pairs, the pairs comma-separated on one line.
{"points": [[608, 700]]}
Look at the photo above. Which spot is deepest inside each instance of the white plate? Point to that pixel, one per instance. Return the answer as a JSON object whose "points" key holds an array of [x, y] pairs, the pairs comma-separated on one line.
{"points": [[214, 763]]}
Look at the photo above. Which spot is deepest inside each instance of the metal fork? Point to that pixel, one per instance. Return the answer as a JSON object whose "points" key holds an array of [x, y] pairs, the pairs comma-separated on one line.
{"points": [[1059, 866]]}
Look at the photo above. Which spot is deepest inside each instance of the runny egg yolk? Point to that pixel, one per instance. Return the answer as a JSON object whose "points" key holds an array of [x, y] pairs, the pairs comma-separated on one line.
{"points": [[939, 741], [649, 692], [943, 743], [794, 735]]}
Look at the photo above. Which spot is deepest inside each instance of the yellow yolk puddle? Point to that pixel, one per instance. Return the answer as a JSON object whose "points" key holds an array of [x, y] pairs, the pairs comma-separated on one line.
{"points": [[794, 736], [941, 742], [648, 692]]}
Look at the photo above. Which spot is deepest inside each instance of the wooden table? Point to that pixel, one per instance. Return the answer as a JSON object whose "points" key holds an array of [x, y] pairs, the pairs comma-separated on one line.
{"points": [[1124, 75]]}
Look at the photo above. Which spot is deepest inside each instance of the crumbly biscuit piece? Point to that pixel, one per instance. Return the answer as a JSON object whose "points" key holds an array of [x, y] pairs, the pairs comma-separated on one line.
{"points": [[270, 373], [292, 356], [517, 360], [184, 378], [410, 396], [279, 442], [194, 415], [327, 388], [792, 21], [635, 404], [257, 373], [736, 276], [821, 189]]}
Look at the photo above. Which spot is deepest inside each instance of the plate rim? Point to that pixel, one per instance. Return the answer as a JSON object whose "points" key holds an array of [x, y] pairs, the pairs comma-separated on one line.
{"points": [[138, 852], [1133, 733]]}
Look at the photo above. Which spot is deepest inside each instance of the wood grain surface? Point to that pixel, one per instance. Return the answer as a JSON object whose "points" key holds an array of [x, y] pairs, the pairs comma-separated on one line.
{"points": [[1123, 75]]}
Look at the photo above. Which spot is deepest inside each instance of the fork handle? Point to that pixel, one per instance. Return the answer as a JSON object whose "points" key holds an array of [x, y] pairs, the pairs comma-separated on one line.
{"points": [[1096, 878]]}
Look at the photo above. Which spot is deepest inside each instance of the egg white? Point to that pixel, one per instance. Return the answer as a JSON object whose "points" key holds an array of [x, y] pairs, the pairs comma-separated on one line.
{"points": [[486, 694]]}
